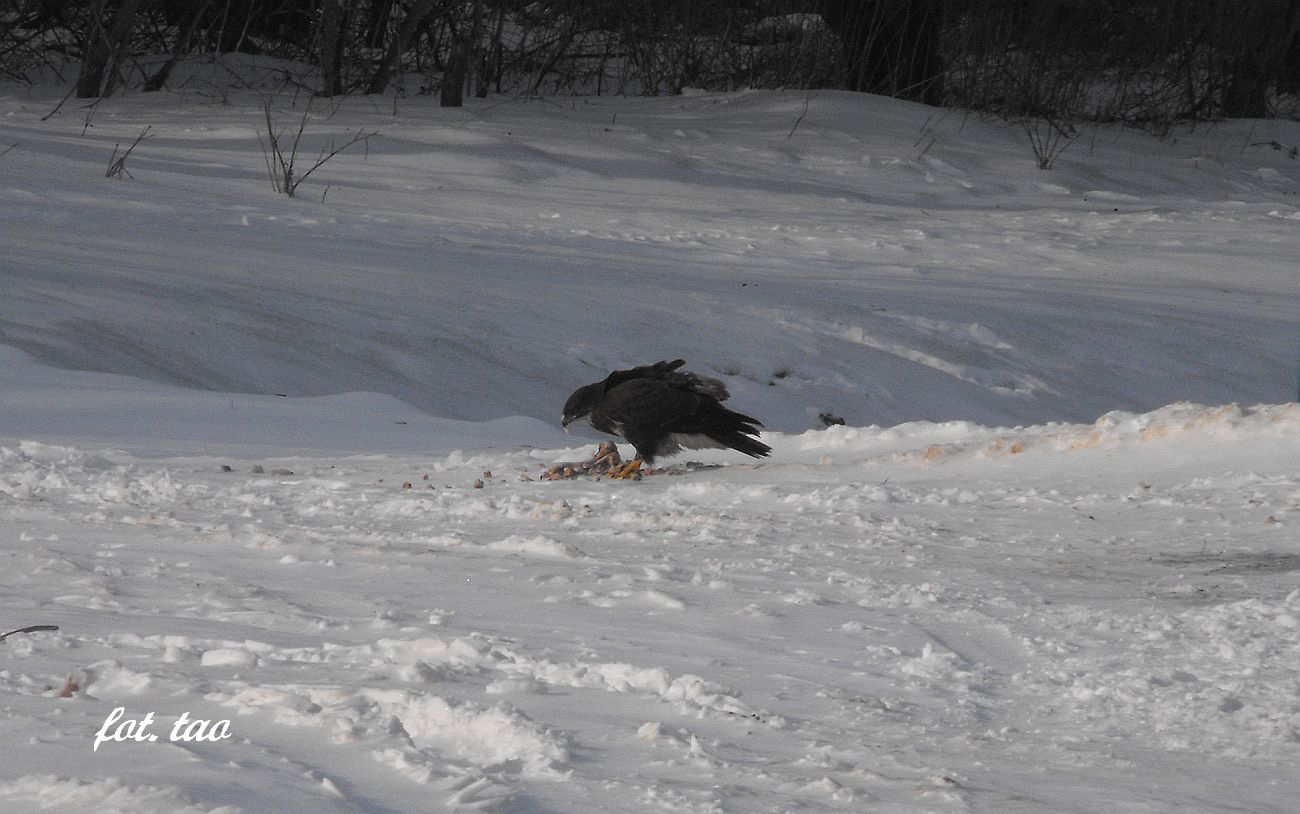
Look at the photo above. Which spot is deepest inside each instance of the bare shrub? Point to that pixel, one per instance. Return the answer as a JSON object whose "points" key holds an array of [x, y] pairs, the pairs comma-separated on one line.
{"points": [[282, 158], [1048, 139], [117, 164]]}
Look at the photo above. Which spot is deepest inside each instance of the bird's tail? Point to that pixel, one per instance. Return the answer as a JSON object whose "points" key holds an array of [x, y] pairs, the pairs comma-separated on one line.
{"points": [[744, 443], [742, 435]]}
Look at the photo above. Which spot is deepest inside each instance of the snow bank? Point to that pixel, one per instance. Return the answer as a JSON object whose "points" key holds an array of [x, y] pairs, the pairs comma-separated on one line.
{"points": [[481, 263]]}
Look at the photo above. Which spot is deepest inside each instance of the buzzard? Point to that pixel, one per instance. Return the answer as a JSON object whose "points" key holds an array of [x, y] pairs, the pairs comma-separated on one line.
{"points": [[660, 410]]}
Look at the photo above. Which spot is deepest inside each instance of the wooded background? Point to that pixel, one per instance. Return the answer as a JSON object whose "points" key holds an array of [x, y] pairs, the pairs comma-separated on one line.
{"points": [[1153, 63]]}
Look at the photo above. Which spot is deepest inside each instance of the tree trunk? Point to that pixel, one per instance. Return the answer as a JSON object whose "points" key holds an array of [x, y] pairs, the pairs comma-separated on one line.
{"points": [[453, 81], [331, 24], [159, 79], [102, 50], [1256, 56], [1288, 80], [462, 52], [479, 53], [397, 46], [495, 72], [1246, 94]]}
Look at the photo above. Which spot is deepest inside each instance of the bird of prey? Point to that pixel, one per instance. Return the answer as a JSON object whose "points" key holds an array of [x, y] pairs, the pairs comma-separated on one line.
{"points": [[660, 410]]}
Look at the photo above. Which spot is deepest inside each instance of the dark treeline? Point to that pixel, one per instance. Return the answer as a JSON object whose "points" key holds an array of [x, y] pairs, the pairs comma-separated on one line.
{"points": [[1152, 63]]}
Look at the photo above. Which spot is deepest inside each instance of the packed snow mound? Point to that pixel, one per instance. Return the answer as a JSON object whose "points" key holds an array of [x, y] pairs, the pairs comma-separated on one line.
{"points": [[1174, 424], [32, 470], [104, 408], [1226, 423], [880, 264]]}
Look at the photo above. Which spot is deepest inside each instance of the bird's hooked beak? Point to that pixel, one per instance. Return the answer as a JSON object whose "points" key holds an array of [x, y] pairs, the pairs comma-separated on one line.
{"points": [[565, 421]]}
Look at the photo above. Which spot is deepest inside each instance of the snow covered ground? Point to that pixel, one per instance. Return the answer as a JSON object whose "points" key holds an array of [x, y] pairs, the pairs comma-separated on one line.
{"points": [[885, 263], [242, 439]]}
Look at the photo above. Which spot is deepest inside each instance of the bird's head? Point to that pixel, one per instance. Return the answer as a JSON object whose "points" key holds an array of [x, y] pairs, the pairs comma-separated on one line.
{"points": [[581, 403]]}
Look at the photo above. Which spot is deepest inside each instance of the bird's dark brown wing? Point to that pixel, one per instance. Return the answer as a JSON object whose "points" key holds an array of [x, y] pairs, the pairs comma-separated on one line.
{"points": [[660, 410], [644, 411], [650, 403], [659, 370]]}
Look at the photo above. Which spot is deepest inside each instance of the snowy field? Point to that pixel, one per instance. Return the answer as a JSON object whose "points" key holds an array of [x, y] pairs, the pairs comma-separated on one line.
{"points": [[275, 462]]}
